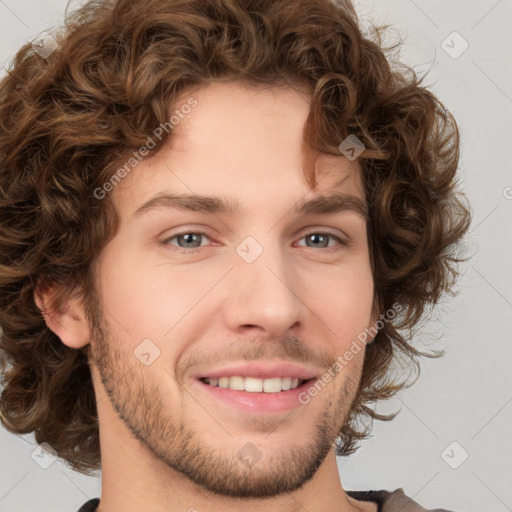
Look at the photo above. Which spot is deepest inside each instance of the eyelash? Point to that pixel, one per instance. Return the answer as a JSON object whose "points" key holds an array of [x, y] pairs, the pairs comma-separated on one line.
{"points": [[342, 243]]}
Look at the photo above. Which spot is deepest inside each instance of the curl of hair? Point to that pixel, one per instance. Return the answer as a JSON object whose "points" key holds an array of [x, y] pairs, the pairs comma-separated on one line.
{"points": [[68, 121]]}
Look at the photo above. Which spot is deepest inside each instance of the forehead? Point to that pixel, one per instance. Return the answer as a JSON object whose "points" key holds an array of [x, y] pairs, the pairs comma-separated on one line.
{"points": [[240, 141]]}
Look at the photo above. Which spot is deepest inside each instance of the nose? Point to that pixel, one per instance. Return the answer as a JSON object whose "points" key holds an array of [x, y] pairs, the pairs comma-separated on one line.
{"points": [[263, 295]]}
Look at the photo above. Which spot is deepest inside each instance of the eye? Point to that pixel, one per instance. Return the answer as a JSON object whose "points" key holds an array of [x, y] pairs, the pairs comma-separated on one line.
{"points": [[321, 240], [186, 240]]}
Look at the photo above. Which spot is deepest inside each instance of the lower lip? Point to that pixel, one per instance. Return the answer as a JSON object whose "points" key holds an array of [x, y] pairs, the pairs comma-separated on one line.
{"points": [[259, 402]]}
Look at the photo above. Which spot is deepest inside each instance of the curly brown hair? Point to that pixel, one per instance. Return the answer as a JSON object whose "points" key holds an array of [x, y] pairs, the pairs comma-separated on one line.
{"points": [[66, 122]]}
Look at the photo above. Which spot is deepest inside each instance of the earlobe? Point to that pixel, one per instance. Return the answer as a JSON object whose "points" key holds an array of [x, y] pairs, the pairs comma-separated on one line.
{"points": [[66, 320]]}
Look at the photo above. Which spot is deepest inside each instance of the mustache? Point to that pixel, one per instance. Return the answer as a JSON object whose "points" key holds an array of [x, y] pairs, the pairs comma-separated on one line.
{"points": [[289, 349]]}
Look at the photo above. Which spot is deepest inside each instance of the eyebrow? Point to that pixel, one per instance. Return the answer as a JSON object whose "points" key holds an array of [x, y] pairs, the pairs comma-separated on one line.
{"points": [[325, 204]]}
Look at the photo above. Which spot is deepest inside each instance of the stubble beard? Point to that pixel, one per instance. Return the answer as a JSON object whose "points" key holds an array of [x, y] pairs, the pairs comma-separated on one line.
{"points": [[137, 401]]}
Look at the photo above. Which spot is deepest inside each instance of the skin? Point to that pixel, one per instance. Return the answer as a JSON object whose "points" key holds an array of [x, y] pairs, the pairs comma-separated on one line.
{"points": [[166, 444]]}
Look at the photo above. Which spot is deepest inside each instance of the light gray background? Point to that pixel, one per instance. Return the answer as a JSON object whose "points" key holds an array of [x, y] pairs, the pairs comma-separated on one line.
{"points": [[464, 397]]}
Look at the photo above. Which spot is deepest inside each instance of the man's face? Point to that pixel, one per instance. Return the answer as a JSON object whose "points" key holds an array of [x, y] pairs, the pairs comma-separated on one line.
{"points": [[266, 285]]}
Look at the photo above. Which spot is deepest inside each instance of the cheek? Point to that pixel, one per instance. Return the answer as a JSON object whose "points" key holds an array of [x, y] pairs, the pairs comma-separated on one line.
{"points": [[342, 299], [147, 298]]}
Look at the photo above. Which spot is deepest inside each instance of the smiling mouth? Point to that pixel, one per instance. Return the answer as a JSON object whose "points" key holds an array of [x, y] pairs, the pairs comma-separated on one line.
{"points": [[256, 385]]}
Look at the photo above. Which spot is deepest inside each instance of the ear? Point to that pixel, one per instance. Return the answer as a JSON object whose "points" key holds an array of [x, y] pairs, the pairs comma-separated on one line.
{"points": [[67, 319]]}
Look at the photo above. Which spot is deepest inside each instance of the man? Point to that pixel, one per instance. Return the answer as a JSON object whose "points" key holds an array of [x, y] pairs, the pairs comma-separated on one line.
{"points": [[218, 219]]}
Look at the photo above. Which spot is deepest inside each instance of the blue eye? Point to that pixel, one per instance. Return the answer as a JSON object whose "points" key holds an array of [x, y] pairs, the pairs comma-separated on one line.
{"points": [[189, 238], [322, 238]]}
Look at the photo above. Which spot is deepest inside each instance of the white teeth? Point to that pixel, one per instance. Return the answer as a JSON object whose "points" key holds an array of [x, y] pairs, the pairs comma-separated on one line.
{"points": [[236, 383], [272, 385], [224, 382], [253, 384]]}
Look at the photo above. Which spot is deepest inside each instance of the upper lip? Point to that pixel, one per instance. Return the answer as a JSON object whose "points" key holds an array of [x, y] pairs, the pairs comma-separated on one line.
{"points": [[261, 370]]}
